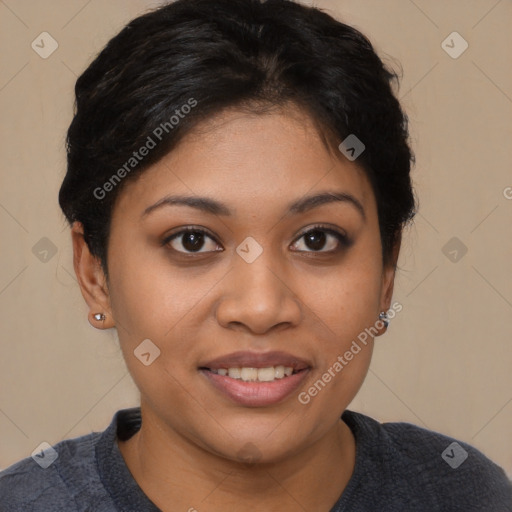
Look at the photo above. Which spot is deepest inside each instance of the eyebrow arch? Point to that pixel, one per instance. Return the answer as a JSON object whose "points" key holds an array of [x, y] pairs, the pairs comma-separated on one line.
{"points": [[309, 202], [215, 207]]}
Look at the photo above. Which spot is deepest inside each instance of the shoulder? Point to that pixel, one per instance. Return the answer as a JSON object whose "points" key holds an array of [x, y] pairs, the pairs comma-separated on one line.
{"points": [[432, 467], [53, 479]]}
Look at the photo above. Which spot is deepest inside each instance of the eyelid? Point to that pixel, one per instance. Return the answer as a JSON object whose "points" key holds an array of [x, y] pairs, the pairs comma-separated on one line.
{"points": [[337, 232], [189, 229], [323, 227], [342, 238]]}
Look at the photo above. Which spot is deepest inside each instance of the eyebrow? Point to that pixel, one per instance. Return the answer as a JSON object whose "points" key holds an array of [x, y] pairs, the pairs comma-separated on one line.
{"points": [[302, 205]]}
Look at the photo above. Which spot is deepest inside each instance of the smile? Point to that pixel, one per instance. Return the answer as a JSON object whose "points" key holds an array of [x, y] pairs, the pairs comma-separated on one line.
{"points": [[248, 374], [255, 379], [255, 392]]}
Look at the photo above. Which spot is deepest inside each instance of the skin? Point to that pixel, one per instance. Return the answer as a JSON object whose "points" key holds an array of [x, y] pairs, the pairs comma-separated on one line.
{"points": [[310, 303]]}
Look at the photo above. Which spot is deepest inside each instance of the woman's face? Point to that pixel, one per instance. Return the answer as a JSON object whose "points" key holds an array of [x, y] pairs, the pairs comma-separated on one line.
{"points": [[256, 283]]}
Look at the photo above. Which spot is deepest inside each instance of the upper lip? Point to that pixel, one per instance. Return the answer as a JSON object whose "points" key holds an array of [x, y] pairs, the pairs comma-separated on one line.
{"points": [[245, 359]]}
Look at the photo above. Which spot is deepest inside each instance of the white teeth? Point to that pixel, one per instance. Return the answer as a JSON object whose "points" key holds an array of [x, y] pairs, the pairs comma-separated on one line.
{"points": [[234, 373], [247, 374], [266, 374], [279, 370]]}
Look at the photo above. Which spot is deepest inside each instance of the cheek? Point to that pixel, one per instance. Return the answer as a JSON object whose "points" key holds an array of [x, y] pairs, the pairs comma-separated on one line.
{"points": [[347, 297], [153, 300], [148, 297], [346, 307], [344, 313]]}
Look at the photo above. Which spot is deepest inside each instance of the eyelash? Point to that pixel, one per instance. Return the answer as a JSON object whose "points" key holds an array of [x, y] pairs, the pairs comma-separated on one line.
{"points": [[342, 238]]}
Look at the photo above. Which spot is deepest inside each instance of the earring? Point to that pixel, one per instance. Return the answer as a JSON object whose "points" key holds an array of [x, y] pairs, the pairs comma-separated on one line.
{"points": [[383, 317], [100, 317]]}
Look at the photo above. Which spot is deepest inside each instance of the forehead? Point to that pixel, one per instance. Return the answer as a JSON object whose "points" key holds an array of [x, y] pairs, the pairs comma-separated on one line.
{"points": [[249, 161]]}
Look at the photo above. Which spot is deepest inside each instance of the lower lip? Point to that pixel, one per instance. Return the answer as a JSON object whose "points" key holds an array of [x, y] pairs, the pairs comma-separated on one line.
{"points": [[256, 394]]}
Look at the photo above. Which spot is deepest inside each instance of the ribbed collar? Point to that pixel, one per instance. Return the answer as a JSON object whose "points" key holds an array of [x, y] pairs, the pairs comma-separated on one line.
{"points": [[114, 474]]}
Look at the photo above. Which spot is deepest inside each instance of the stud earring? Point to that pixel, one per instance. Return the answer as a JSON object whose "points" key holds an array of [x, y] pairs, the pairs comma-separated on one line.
{"points": [[100, 317], [383, 317]]}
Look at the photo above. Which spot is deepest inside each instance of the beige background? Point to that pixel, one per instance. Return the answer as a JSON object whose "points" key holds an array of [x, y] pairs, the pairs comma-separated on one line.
{"points": [[445, 363]]}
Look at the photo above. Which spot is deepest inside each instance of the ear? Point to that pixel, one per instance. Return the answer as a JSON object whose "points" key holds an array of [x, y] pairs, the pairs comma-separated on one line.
{"points": [[92, 280], [388, 276], [388, 279]]}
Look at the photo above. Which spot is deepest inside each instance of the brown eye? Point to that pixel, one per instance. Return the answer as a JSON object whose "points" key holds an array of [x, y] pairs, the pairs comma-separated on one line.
{"points": [[192, 240], [315, 240], [319, 239]]}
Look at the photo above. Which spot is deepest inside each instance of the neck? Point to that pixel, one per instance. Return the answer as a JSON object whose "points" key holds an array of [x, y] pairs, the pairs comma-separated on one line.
{"points": [[197, 479]]}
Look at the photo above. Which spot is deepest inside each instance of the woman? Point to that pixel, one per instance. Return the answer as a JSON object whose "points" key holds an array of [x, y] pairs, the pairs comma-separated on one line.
{"points": [[238, 181]]}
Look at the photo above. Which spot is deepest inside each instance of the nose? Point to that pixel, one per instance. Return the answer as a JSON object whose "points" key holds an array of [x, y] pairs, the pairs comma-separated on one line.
{"points": [[258, 297]]}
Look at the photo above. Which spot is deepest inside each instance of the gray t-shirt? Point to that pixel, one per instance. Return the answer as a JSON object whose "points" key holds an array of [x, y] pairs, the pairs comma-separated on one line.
{"points": [[399, 467]]}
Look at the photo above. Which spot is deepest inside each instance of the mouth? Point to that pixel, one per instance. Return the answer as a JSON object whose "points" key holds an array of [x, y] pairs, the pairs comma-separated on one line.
{"points": [[250, 374], [256, 379]]}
